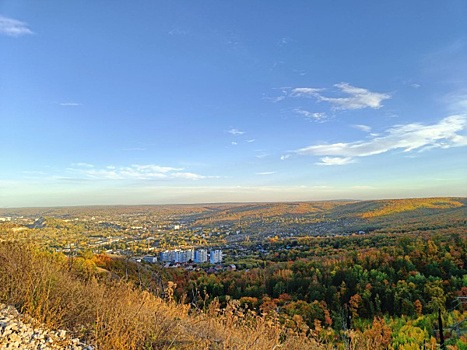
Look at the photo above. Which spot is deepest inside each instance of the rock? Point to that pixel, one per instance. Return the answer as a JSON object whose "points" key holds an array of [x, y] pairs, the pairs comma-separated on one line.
{"points": [[17, 332]]}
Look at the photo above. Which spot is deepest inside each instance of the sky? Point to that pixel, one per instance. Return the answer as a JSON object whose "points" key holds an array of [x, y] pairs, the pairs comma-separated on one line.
{"points": [[162, 102]]}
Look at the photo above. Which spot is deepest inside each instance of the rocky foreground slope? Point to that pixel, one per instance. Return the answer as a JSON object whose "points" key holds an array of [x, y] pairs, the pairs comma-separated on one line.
{"points": [[16, 332]]}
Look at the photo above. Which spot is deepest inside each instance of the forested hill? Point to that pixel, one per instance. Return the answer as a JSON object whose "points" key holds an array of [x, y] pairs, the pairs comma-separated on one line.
{"points": [[260, 219], [241, 211]]}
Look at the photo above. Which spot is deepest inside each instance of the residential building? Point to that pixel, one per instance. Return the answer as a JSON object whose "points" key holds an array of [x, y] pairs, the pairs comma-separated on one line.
{"points": [[215, 256], [167, 256], [201, 256], [150, 259], [183, 256]]}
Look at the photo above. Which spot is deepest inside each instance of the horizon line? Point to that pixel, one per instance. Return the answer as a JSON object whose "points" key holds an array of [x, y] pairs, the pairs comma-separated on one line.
{"points": [[228, 202]]}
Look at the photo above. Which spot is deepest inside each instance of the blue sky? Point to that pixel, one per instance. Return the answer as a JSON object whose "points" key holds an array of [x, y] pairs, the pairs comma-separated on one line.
{"points": [[146, 102]]}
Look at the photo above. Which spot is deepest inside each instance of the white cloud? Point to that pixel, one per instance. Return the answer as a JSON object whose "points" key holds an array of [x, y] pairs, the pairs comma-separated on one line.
{"points": [[316, 116], [250, 141], [13, 27], [362, 127], [155, 168], [356, 98], [285, 156], [235, 132], [188, 176], [305, 92], [285, 91], [335, 161], [234, 143], [277, 99], [262, 155], [449, 132], [133, 172], [266, 173]]}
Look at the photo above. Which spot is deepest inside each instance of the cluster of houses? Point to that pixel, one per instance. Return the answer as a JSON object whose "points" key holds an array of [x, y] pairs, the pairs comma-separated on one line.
{"points": [[214, 256]]}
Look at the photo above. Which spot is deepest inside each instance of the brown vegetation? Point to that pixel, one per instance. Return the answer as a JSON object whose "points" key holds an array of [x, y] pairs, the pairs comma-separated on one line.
{"points": [[116, 315], [401, 205]]}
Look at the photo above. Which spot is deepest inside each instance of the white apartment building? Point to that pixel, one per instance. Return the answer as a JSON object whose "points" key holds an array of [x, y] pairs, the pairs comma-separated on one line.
{"points": [[198, 256], [167, 256], [183, 256], [201, 256], [215, 256]]}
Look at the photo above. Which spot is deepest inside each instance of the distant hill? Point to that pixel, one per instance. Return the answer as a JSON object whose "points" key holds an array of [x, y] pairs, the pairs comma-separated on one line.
{"points": [[389, 207], [303, 218]]}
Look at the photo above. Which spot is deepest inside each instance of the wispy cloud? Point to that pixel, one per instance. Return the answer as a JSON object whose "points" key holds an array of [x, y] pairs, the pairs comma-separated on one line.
{"points": [[13, 27], [305, 92], [300, 72], [284, 93], [358, 98], [133, 172], [335, 161], [266, 173], [235, 132], [250, 141], [456, 102], [284, 41], [314, 116], [262, 154], [178, 31], [188, 176], [354, 97], [362, 127], [449, 132]]}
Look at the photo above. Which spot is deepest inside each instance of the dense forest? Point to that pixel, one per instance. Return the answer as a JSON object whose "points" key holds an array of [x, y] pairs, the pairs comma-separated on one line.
{"points": [[345, 283]]}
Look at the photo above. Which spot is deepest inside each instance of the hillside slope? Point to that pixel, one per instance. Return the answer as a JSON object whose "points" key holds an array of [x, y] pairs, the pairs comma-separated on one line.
{"points": [[114, 315]]}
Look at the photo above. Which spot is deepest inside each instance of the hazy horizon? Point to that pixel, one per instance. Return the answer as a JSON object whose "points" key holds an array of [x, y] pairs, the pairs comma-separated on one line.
{"points": [[220, 203], [215, 102]]}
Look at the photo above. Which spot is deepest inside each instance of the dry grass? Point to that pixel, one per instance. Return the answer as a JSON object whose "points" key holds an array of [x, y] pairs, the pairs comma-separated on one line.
{"points": [[114, 315]]}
